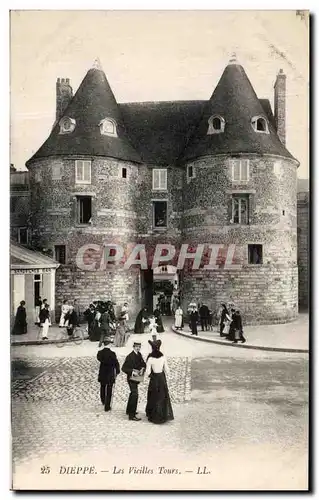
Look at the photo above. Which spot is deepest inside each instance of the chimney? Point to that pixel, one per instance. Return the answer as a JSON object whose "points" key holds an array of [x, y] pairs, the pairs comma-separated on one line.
{"points": [[280, 105], [64, 94]]}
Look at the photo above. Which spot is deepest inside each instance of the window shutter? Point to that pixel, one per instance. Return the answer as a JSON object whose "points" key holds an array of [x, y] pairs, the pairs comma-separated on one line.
{"points": [[251, 208], [156, 179], [56, 172], [244, 170], [229, 209], [235, 164], [78, 169], [87, 171], [163, 179]]}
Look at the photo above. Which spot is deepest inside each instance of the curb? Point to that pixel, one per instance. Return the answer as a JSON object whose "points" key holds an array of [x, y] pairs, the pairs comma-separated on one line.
{"points": [[240, 346], [44, 342]]}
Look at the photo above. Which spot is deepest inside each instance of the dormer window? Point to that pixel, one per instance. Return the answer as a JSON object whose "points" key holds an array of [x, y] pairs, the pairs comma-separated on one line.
{"points": [[260, 125], [108, 127], [67, 125], [216, 125]]}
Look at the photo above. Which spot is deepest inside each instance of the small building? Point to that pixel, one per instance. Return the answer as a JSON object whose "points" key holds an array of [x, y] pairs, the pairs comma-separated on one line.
{"points": [[32, 276]]}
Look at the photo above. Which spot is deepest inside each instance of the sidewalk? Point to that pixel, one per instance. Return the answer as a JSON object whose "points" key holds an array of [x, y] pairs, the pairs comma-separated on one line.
{"points": [[34, 336], [287, 337]]}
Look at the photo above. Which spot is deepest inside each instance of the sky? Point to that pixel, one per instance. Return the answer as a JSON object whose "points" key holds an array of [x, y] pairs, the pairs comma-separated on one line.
{"points": [[153, 56]]}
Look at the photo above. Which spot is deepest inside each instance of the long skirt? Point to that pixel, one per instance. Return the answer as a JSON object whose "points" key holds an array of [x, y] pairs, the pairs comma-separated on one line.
{"points": [[45, 328], [95, 332], [119, 338], [178, 320], [37, 314], [158, 408]]}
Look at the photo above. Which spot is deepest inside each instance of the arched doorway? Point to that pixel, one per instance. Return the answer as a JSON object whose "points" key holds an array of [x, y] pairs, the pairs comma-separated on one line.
{"points": [[160, 286]]}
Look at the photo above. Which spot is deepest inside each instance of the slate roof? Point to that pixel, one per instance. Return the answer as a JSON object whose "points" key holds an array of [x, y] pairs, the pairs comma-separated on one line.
{"points": [[93, 101], [24, 258], [236, 101], [165, 133], [160, 131]]}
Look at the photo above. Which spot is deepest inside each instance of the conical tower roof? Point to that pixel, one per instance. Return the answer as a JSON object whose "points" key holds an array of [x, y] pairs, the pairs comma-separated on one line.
{"points": [[93, 102], [235, 100]]}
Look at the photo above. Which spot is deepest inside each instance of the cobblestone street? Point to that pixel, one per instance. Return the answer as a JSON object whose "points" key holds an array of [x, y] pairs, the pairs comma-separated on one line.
{"points": [[241, 413]]}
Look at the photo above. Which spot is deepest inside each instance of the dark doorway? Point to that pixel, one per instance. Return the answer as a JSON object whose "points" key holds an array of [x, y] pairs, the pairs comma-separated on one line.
{"points": [[147, 289]]}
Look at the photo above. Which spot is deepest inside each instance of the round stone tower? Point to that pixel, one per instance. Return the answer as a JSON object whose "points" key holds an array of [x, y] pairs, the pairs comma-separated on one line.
{"points": [[240, 195], [84, 192]]}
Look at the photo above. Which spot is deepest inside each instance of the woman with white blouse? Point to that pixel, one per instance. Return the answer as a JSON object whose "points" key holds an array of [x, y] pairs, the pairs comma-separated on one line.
{"points": [[158, 408]]}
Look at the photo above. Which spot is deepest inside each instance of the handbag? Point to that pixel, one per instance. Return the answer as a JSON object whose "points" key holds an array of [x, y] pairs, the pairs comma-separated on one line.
{"points": [[136, 376]]}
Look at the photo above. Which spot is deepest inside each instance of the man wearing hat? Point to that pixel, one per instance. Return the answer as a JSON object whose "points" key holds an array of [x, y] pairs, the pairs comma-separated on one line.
{"points": [[109, 369], [134, 361]]}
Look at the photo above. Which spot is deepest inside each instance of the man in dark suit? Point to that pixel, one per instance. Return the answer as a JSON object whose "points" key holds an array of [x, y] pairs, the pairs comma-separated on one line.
{"points": [[134, 361], [109, 369], [204, 315]]}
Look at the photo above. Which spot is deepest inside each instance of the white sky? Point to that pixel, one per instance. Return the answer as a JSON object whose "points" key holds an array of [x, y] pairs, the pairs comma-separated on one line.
{"points": [[153, 56]]}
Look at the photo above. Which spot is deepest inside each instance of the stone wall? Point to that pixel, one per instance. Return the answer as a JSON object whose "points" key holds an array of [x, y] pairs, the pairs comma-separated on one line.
{"points": [[265, 293], [199, 212], [121, 214], [303, 248], [120, 286]]}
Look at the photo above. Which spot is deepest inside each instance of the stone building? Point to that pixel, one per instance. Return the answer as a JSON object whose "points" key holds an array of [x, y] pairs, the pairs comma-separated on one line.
{"points": [[19, 206], [303, 241], [210, 172], [32, 274]]}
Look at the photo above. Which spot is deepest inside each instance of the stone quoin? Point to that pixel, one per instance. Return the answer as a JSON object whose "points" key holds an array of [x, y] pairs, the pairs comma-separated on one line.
{"points": [[213, 172]]}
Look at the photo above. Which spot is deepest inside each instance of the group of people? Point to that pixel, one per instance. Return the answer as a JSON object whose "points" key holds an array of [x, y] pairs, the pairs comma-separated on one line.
{"points": [[230, 324], [152, 321], [42, 318], [158, 408], [229, 320], [105, 324]]}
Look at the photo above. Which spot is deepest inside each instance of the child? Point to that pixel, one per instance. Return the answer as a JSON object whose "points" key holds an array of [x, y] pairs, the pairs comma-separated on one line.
{"points": [[153, 327]]}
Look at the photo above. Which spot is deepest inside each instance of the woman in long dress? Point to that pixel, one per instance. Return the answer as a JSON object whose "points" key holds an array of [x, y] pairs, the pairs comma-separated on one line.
{"points": [[64, 310], [141, 320], [158, 408], [120, 335], [158, 317], [179, 318], [20, 322]]}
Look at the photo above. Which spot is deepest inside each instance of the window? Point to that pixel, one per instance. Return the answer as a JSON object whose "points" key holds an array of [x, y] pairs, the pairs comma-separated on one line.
{"points": [[37, 285], [83, 172], [23, 236], [159, 179], [56, 172], [240, 170], [159, 214], [13, 203], [84, 209], [108, 127], [260, 124], [255, 254], [37, 176], [124, 173], [67, 125], [190, 172], [59, 253], [216, 125], [240, 209]]}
